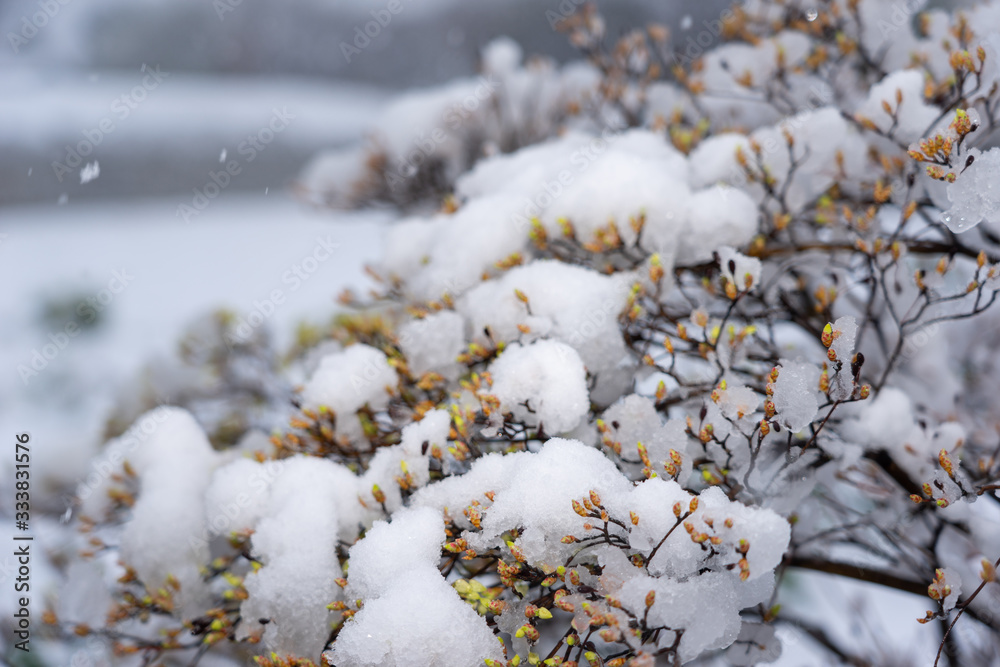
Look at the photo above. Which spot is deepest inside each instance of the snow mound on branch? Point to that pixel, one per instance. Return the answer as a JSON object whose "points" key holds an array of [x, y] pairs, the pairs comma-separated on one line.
{"points": [[707, 607], [713, 161], [679, 556], [538, 498], [717, 216], [817, 137], [795, 394], [534, 492], [571, 304], [845, 331], [296, 541], [618, 178], [237, 496], [682, 588], [174, 465], [523, 173], [731, 104], [913, 115], [885, 30], [448, 254], [493, 472], [433, 343], [890, 423], [589, 181], [346, 381], [738, 268], [593, 180], [427, 124], [739, 404], [390, 549], [409, 456], [544, 383], [975, 194], [392, 631], [634, 419], [394, 569]]}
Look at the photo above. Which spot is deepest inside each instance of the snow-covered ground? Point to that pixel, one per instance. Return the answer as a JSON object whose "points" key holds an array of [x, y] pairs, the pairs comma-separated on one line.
{"points": [[148, 274]]}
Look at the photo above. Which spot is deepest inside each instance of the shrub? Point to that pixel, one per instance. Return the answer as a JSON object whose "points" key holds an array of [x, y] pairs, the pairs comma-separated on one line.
{"points": [[685, 322]]}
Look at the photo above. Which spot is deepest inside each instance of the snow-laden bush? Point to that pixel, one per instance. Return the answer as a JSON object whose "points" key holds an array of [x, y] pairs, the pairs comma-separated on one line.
{"points": [[682, 325]]}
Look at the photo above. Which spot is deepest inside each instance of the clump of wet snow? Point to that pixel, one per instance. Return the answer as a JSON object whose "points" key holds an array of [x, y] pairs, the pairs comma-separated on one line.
{"points": [[542, 384]]}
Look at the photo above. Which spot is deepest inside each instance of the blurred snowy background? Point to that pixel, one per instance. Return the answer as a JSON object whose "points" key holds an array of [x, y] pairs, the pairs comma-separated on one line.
{"points": [[116, 114], [104, 272]]}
